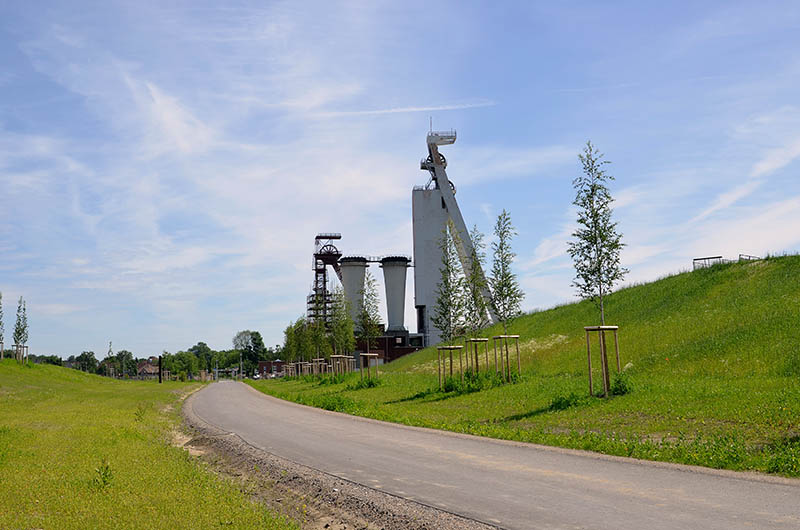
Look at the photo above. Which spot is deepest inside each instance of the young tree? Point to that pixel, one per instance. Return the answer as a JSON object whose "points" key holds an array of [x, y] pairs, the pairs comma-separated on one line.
{"points": [[597, 244], [448, 313], [341, 335], [24, 322], [506, 293], [303, 341], [476, 308], [318, 336], [369, 319], [21, 326], [289, 343]]}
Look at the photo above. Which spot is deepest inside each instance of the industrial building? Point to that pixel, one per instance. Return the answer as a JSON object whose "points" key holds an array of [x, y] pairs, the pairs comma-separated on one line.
{"points": [[432, 206]]}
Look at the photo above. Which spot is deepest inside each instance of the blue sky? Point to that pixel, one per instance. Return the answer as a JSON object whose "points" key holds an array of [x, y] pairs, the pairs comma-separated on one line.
{"points": [[164, 167]]}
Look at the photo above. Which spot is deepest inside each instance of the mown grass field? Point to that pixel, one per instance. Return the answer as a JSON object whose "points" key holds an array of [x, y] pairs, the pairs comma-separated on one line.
{"points": [[81, 451], [713, 359]]}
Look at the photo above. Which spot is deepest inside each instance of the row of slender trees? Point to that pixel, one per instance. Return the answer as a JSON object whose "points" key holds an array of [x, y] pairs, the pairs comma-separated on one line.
{"points": [[20, 335], [462, 307], [308, 338]]}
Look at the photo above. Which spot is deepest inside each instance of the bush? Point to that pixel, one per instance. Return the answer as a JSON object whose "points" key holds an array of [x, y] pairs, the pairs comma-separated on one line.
{"points": [[621, 384], [332, 379], [103, 475], [370, 382], [565, 402], [475, 382]]}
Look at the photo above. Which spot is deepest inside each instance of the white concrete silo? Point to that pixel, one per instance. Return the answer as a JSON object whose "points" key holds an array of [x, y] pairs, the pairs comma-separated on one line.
{"points": [[354, 269], [394, 280]]}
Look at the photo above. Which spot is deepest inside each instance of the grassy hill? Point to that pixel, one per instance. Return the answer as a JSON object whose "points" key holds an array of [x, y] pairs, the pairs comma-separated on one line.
{"points": [[713, 360], [82, 451]]}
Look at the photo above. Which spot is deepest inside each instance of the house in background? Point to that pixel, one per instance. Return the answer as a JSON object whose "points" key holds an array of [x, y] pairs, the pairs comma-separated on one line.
{"points": [[147, 369], [270, 368]]}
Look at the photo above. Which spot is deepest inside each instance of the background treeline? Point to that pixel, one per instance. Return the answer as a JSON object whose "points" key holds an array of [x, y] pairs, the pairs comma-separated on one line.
{"points": [[248, 346], [307, 338]]}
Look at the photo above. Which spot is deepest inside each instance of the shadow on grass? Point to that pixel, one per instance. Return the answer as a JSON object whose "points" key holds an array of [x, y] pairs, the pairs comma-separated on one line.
{"points": [[526, 415], [560, 402]]}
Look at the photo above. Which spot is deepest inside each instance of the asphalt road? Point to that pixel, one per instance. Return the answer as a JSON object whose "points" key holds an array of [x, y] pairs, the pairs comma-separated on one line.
{"points": [[511, 485]]}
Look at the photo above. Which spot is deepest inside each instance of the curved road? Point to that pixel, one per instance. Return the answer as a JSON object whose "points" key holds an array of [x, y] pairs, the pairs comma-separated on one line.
{"points": [[511, 485]]}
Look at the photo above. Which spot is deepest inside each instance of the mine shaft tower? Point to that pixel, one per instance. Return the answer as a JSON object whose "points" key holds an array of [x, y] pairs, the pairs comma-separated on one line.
{"points": [[326, 254], [432, 206]]}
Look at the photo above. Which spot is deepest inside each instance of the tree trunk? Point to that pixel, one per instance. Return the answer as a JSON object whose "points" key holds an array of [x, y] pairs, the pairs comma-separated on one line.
{"points": [[602, 309]]}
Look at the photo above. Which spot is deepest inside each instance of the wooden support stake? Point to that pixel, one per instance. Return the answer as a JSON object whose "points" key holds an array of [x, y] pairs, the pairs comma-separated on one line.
{"points": [[508, 364], [439, 366], [616, 347], [519, 363], [494, 343], [461, 366], [589, 356], [604, 363], [451, 364]]}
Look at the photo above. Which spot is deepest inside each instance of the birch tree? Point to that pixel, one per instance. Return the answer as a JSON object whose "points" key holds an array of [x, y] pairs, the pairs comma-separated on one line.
{"points": [[476, 307], [506, 293], [597, 244], [448, 312], [369, 319], [341, 335]]}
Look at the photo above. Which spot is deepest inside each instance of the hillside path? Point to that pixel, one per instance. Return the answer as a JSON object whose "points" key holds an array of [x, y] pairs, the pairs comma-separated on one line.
{"points": [[507, 484]]}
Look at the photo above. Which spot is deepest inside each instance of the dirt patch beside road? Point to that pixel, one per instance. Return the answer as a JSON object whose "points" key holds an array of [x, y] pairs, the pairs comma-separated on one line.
{"points": [[316, 499]]}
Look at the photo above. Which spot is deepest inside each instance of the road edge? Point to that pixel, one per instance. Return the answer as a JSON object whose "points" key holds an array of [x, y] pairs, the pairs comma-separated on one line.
{"points": [[378, 508], [750, 476]]}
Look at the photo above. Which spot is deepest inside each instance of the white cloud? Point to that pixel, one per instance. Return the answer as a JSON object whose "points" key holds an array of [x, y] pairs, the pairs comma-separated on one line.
{"points": [[777, 158], [478, 163], [551, 247], [728, 198], [173, 128], [403, 110]]}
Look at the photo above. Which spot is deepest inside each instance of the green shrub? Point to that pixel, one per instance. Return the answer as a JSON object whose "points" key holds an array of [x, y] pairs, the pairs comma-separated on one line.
{"points": [[621, 384], [332, 379], [103, 475], [370, 382], [564, 402]]}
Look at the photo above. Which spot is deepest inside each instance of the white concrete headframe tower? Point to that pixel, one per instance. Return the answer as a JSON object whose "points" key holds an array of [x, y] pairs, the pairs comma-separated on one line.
{"points": [[432, 205]]}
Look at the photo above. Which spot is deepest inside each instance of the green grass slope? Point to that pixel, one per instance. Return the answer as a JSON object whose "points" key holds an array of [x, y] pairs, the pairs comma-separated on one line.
{"points": [[714, 364], [82, 451]]}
